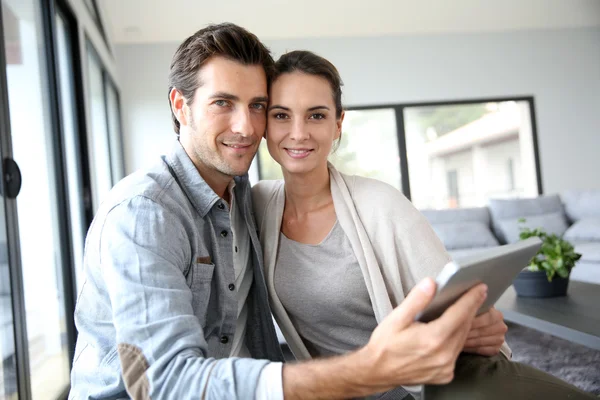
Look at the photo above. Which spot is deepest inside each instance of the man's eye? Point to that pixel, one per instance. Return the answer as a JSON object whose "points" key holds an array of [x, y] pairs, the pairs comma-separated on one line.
{"points": [[222, 103], [258, 106], [317, 116]]}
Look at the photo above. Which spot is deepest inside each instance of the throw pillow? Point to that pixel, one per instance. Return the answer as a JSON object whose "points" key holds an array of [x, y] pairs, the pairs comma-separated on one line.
{"points": [[584, 230], [465, 235], [551, 223]]}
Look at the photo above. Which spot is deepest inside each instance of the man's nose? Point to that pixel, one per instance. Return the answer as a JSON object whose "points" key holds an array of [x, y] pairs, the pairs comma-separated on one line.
{"points": [[242, 123]]}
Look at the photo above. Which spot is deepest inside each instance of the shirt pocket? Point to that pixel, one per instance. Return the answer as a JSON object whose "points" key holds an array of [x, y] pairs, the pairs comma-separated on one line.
{"points": [[200, 278]]}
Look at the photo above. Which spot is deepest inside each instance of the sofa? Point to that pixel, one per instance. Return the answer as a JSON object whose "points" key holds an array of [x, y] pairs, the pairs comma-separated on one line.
{"points": [[574, 215]]}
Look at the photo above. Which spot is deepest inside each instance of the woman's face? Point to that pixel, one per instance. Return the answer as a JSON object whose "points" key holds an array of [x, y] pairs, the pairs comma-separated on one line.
{"points": [[301, 122]]}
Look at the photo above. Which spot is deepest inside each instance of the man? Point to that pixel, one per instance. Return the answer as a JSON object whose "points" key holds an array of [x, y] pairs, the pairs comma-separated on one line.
{"points": [[174, 304]]}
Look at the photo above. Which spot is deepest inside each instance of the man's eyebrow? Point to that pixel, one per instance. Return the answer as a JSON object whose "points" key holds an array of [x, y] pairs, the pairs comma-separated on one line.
{"points": [[277, 106], [224, 96], [233, 97]]}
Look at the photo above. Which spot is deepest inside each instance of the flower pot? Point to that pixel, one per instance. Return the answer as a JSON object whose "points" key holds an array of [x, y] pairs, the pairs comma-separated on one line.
{"points": [[535, 284]]}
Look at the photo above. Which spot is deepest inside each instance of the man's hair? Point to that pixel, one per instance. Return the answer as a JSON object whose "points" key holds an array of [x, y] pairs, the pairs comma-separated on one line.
{"points": [[225, 40], [312, 64]]}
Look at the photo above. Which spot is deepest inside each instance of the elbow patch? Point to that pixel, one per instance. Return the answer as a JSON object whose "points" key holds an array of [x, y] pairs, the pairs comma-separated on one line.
{"points": [[134, 366]]}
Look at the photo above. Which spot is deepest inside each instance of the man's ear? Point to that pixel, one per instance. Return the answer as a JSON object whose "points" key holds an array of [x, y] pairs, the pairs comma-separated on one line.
{"points": [[178, 106]]}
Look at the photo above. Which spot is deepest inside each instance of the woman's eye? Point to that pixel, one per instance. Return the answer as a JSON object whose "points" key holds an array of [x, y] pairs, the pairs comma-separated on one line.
{"points": [[317, 116], [279, 116]]}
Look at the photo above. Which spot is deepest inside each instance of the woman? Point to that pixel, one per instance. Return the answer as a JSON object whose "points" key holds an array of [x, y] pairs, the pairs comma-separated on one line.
{"points": [[340, 251]]}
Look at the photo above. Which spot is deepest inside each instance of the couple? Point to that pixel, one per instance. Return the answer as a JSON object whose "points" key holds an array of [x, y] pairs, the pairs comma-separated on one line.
{"points": [[178, 290]]}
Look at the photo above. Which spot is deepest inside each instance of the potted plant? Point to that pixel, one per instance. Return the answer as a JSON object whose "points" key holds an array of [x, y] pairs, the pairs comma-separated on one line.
{"points": [[547, 275]]}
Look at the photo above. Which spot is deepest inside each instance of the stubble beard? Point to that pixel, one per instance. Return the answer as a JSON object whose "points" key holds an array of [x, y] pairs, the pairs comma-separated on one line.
{"points": [[213, 160]]}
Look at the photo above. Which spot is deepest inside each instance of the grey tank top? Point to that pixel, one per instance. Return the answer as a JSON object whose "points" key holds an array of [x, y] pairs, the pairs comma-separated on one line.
{"points": [[323, 290]]}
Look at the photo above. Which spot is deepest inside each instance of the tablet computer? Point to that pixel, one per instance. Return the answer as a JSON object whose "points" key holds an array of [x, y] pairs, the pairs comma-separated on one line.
{"points": [[496, 267]]}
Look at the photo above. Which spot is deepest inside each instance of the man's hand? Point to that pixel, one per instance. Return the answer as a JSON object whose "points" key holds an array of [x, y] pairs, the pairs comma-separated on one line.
{"points": [[408, 352], [487, 334], [400, 351]]}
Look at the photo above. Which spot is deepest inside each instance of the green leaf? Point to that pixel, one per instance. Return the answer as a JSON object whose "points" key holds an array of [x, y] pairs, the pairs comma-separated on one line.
{"points": [[562, 272]]}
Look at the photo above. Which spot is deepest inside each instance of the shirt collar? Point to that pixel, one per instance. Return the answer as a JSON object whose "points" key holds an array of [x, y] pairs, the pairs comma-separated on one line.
{"points": [[201, 195]]}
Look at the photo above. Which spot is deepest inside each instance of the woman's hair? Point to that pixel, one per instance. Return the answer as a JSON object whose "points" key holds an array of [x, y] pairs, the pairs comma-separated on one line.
{"points": [[312, 64], [224, 40]]}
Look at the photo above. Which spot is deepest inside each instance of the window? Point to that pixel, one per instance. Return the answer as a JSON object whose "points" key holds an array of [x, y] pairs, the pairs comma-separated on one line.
{"points": [[93, 9], [458, 153], [452, 181], [39, 218], [72, 146], [113, 115], [100, 157], [8, 362], [360, 151], [441, 155]]}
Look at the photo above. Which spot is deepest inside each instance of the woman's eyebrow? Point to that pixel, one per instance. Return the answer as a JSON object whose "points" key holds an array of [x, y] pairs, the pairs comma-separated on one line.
{"points": [[318, 108], [277, 106]]}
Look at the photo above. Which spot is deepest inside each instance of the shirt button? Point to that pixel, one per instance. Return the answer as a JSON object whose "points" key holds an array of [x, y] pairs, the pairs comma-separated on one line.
{"points": [[231, 287], [223, 233], [221, 206], [236, 249], [224, 339]]}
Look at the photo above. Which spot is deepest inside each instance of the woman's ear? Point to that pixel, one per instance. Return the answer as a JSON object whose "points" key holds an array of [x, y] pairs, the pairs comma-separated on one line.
{"points": [[338, 126]]}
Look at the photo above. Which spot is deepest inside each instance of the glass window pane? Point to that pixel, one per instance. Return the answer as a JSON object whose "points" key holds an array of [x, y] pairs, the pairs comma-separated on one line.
{"points": [[100, 154], [41, 260], [71, 142], [114, 131], [8, 377], [462, 155], [368, 147]]}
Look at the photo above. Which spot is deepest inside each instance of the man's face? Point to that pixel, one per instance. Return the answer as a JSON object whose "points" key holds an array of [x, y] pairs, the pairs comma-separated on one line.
{"points": [[222, 128]]}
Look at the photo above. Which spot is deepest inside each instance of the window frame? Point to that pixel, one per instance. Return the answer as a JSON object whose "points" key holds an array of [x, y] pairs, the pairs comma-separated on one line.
{"points": [[401, 131]]}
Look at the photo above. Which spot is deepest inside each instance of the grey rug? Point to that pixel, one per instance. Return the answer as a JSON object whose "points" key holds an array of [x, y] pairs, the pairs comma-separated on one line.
{"points": [[576, 364]]}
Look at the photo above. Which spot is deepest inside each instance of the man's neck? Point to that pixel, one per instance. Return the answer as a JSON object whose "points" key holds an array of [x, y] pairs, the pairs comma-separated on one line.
{"points": [[216, 180]]}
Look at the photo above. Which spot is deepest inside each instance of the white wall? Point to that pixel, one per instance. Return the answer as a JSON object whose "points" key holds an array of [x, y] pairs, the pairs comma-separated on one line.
{"points": [[560, 68]]}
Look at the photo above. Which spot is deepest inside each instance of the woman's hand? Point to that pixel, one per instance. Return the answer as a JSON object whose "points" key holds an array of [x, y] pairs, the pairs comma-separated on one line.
{"points": [[487, 334]]}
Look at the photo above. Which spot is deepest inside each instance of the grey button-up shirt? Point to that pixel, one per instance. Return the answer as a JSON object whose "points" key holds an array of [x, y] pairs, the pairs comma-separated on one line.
{"points": [[155, 314]]}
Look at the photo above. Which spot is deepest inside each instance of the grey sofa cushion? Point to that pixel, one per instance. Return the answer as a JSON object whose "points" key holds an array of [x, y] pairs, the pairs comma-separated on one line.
{"points": [[550, 223], [462, 228], [581, 204], [465, 235], [584, 230], [590, 252], [542, 212], [461, 254], [475, 214]]}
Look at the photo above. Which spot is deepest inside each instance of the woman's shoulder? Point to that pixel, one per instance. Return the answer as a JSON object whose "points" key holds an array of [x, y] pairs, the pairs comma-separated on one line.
{"points": [[375, 193], [265, 189], [262, 194]]}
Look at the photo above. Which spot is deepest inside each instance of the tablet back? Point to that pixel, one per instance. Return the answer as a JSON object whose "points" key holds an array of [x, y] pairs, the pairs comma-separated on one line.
{"points": [[497, 268]]}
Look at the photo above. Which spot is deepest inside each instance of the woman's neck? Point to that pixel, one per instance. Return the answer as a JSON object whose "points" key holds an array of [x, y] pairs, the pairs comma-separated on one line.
{"points": [[307, 192]]}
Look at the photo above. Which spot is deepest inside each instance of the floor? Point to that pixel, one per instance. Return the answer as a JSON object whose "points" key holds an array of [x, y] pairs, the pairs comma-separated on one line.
{"points": [[574, 363]]}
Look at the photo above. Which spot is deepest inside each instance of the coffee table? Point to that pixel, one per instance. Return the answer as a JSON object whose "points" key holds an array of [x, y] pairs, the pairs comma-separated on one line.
{"points": [[574, 317]]}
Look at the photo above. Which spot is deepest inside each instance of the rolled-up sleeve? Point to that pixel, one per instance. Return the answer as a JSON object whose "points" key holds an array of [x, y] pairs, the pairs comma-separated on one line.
{"points": [[144, 251]]}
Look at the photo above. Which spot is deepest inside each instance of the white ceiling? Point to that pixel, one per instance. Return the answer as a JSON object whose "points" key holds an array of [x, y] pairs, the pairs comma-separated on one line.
{"points": [[148, 21]]}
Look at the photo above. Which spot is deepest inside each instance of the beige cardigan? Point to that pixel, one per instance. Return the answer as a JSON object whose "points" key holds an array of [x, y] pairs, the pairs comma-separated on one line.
{"points": [[393, 242]]}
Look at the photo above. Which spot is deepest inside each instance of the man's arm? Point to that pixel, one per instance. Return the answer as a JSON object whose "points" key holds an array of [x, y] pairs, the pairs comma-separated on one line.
{"points": [[144, 250], [400, 352]]}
